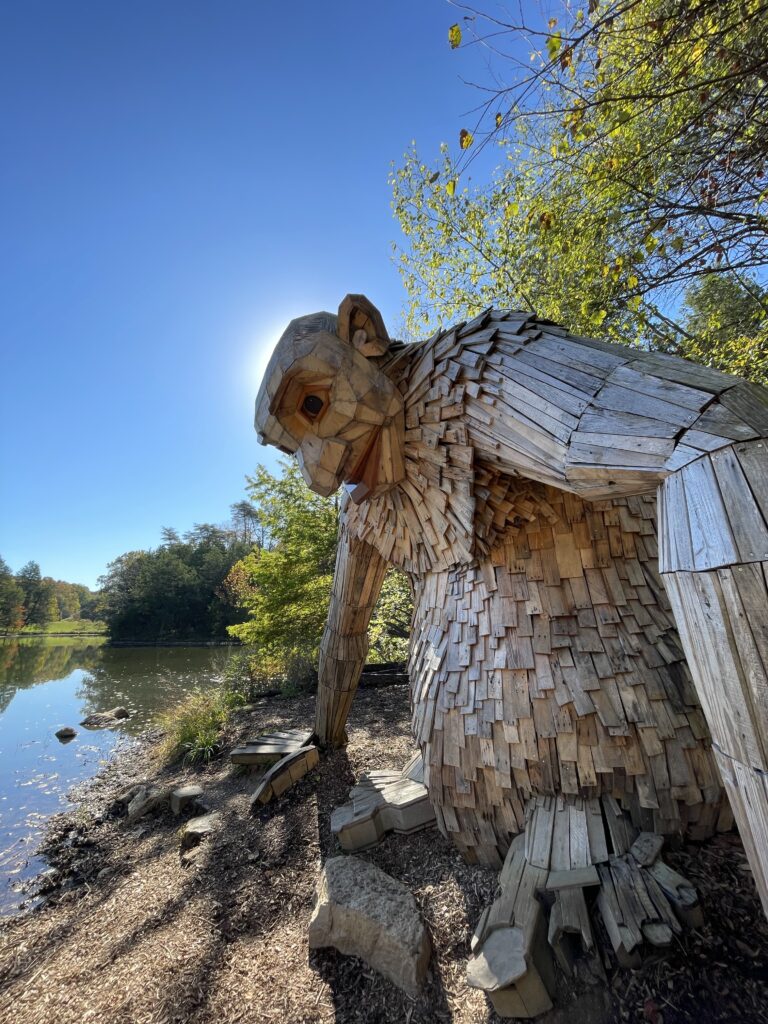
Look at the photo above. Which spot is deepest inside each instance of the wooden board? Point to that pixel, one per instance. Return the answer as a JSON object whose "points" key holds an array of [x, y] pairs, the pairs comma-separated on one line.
{"points": [[270, 747]]}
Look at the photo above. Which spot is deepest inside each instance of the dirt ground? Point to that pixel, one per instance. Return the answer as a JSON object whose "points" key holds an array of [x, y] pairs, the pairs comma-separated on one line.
{"points": [[226, 940]]}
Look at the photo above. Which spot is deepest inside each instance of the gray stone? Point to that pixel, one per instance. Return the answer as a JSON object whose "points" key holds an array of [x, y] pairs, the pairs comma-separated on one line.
{"points": [[104, 719], [198, 829], [184, 796], [361, 911], [148, 798], [65, 734]]}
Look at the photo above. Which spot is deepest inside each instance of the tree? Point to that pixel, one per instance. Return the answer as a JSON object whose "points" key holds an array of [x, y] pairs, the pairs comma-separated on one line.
{"points": [[39, 598], [175, 591], [67, 597], [726, 326], [390, 628], [11, 600], [91, 602], [285, 585], [633, 164], [245, 520]]}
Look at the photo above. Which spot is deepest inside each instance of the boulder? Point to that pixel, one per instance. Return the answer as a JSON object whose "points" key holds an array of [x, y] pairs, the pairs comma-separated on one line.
{"points": [[121, 801], [361, 911], [104, 719], [146, 799], [186, 796], [65, 734], [198, 829]]}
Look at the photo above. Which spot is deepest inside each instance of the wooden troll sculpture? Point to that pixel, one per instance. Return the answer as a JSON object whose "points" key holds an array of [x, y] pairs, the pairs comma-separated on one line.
{"points": [[512, 470]]}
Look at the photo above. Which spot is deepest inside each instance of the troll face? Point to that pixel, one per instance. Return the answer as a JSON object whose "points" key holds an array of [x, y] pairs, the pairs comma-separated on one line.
{"points": [[326, 399]]}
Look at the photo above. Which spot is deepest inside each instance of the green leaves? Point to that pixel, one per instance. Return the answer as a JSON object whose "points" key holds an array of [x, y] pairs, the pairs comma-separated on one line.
{"points": [[634, 125], [285, 587], [553, 45], [454, 36]]}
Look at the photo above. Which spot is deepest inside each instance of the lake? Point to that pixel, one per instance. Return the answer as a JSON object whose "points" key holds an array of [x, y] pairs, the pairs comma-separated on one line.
{"points": [[49, 683]]}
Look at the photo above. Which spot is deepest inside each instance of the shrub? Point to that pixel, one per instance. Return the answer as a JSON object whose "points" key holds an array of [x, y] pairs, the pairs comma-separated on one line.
{"points": [[193, 727], [248, 674]]}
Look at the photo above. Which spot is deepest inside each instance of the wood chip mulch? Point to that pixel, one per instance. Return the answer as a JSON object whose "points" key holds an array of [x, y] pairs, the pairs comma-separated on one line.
{"points": [[129, 936]]}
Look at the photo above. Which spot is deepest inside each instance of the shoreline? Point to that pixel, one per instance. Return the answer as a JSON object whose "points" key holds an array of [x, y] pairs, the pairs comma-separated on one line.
{"points": [[134, 761], [49, 636], [133, 931], [66, 834], [123, 643]]}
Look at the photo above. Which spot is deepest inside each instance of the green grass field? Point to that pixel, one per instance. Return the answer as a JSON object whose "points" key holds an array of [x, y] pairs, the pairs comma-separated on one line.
{"points": [[66, 627]]}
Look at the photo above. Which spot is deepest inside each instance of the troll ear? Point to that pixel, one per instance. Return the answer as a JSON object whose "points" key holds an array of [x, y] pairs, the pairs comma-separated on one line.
{"points": [[361, 324]]}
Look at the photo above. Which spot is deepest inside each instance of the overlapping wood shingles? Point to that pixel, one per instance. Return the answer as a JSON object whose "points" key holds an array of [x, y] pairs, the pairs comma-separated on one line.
{"points": [[544, 656]]}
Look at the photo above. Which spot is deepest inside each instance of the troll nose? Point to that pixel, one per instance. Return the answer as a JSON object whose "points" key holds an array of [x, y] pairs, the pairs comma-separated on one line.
{"points": [[321, 461]]}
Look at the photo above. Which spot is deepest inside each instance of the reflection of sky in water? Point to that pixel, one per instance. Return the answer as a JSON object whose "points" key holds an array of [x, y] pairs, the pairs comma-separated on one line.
{"points": [[36, 770]]}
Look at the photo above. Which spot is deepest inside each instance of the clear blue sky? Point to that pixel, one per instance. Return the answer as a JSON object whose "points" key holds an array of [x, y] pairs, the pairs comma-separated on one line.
{"points": [[179, 179]]}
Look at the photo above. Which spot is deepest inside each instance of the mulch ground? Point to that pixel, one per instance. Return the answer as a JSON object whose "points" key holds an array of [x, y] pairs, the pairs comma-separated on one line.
{"points": [[128, 935]]}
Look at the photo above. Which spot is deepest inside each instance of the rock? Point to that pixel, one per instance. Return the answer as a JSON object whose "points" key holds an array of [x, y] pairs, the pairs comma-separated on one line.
{"points": [[104, 719], [122, 800], [198, 829], [148, 798], [362, 911], [184, 796], [65, 734]]}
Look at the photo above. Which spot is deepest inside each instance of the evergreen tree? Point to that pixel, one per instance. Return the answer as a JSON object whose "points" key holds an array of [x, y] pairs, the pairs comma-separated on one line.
{"points": [[39, 600]]}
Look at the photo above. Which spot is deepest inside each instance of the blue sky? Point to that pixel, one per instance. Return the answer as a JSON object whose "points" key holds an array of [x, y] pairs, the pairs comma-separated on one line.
{"points": [[179, 180]]}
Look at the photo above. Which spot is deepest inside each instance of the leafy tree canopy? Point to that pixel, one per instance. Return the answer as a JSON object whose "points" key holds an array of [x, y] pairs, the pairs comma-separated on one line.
{"points": [[11, 600], [632, 164]]}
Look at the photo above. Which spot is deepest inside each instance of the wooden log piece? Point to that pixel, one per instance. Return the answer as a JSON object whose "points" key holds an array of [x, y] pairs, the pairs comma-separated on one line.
{"points": [[284, 774]]}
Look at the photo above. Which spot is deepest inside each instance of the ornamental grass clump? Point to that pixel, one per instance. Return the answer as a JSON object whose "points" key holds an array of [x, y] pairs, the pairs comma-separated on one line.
{"points": [[193, 727]]}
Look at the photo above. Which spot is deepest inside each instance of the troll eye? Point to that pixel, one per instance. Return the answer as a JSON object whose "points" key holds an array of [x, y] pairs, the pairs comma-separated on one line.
{"points": [[312, 406]]}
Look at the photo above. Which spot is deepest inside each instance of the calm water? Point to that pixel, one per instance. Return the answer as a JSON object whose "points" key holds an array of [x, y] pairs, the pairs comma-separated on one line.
{"points": [[46, 684]]}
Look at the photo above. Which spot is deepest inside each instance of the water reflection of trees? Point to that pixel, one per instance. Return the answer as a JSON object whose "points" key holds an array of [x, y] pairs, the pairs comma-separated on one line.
{"points": [[149, 679], [25, 663], [146, 678]]}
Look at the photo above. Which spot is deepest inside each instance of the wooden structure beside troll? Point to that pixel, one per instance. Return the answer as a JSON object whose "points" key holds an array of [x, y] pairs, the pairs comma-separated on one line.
{"points": [[513, 471]]}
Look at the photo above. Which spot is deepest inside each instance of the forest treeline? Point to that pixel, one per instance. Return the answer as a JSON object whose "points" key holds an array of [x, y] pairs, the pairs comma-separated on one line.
{"points": [[176, 591], [29, 599]]}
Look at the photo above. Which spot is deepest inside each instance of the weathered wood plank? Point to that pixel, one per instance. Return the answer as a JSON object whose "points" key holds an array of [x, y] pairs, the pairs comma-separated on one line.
{"points": [[745, 519], [712, 542]]}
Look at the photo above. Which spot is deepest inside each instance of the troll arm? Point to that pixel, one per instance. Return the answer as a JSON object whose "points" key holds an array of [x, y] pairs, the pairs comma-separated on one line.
{"points": [[357, 581]]}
